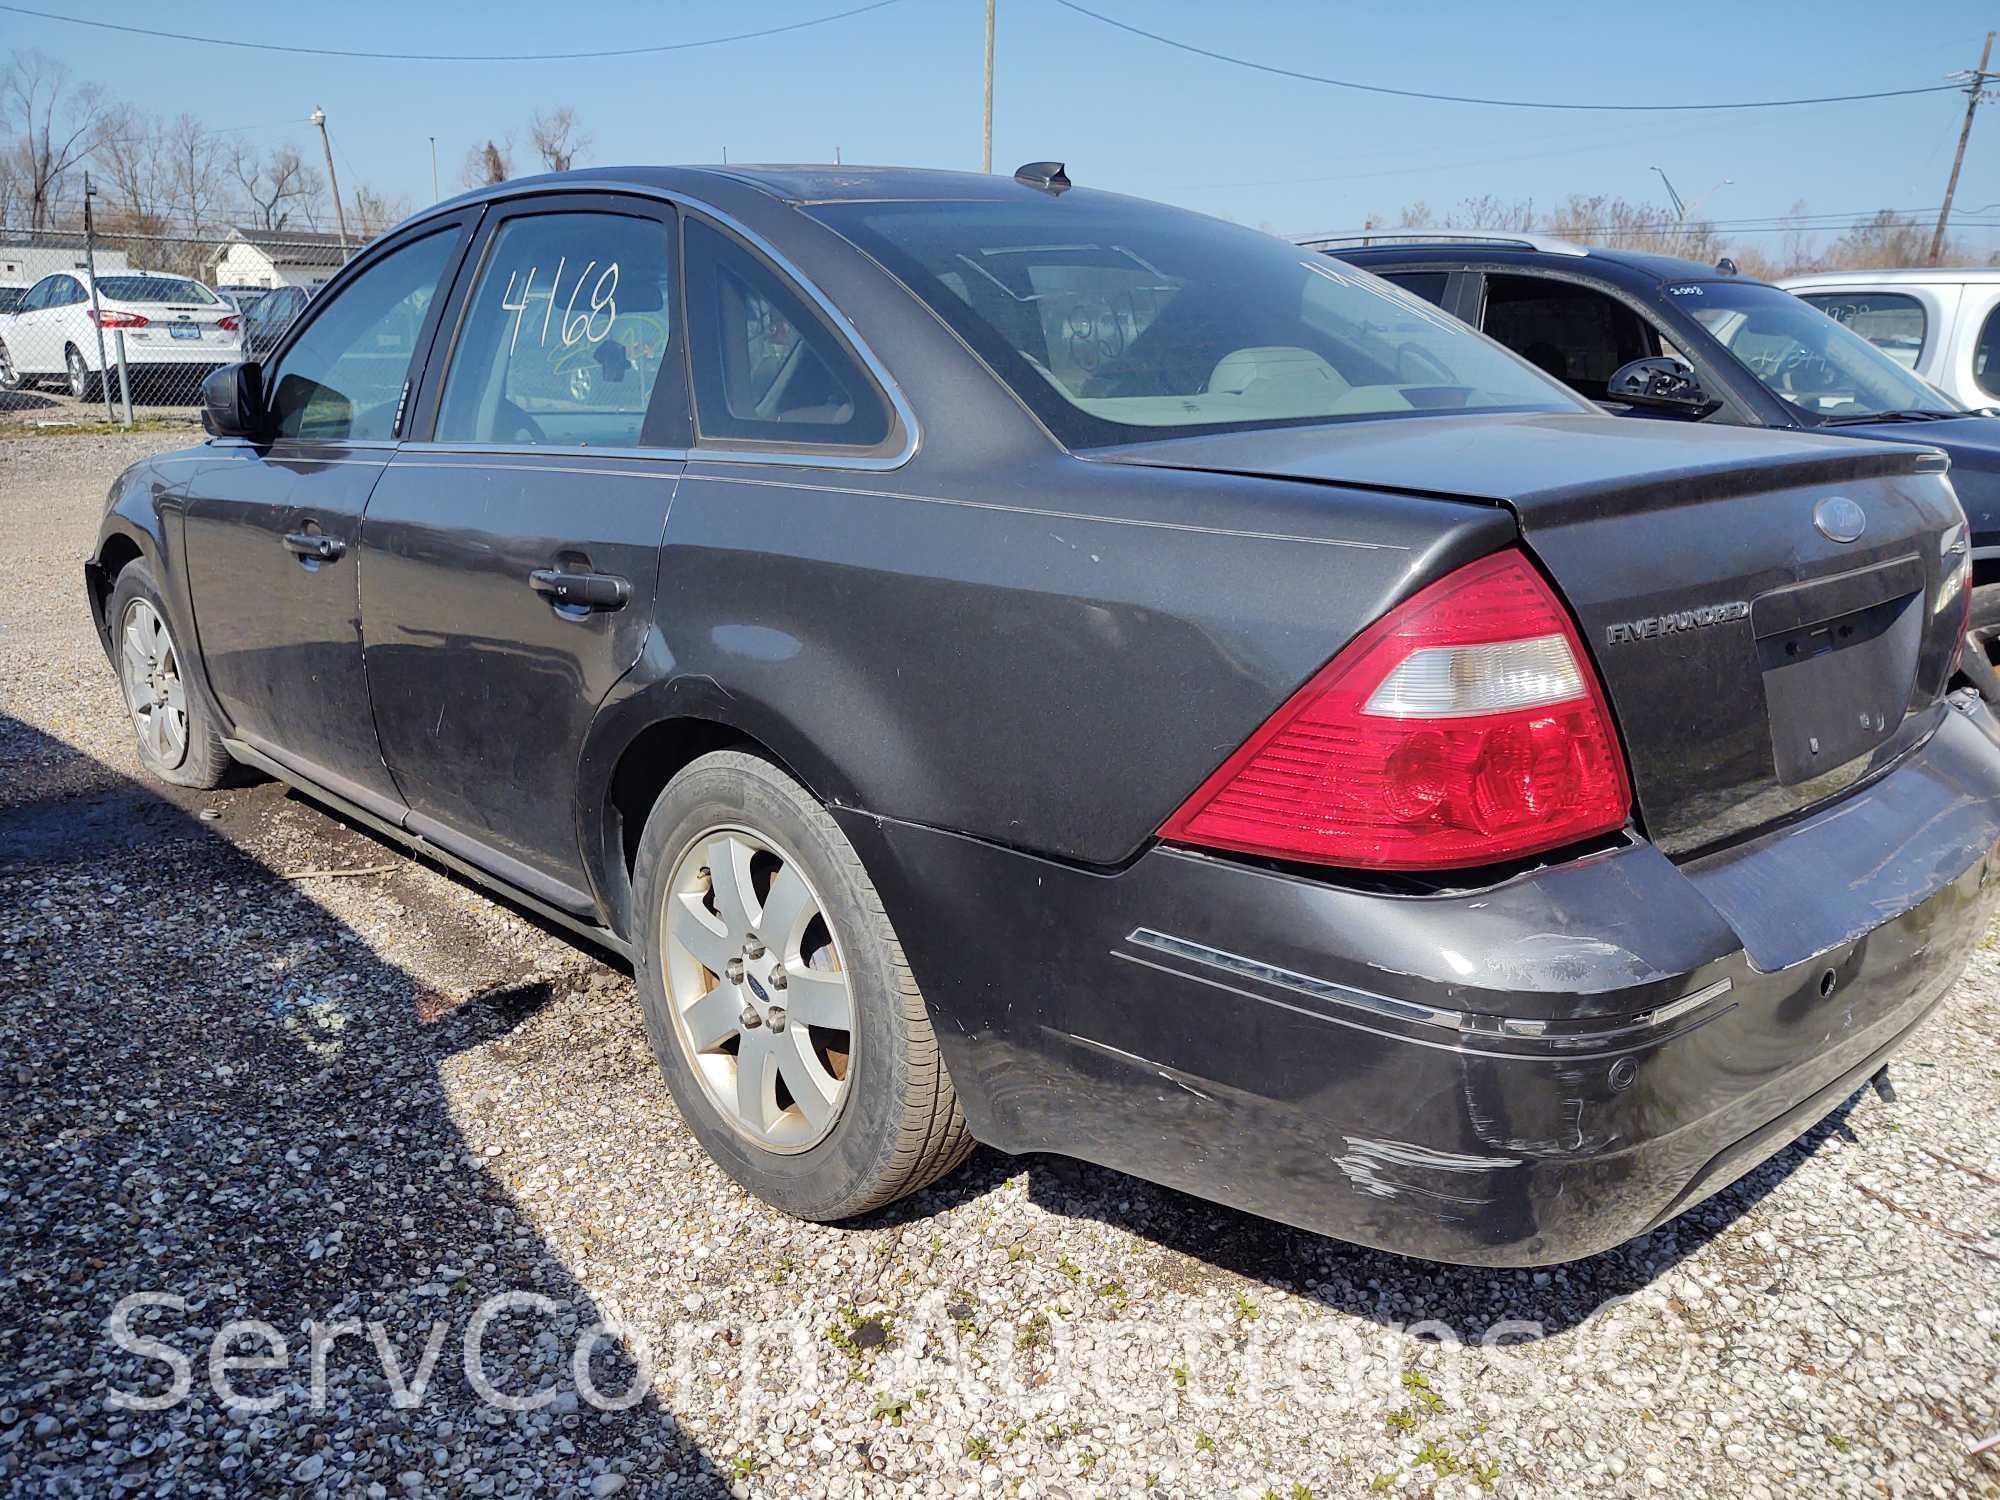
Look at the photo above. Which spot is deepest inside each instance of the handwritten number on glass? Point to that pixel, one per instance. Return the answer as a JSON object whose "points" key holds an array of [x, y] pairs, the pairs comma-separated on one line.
{"points": [[576, 327]]}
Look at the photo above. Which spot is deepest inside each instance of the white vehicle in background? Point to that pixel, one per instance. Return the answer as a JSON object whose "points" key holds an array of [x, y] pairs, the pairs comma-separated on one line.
{"points": [[1942, 324], [169, 322]]}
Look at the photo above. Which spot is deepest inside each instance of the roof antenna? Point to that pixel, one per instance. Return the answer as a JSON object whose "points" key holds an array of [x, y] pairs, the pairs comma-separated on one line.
{"points": [[1727, 267], [1046, 175]]}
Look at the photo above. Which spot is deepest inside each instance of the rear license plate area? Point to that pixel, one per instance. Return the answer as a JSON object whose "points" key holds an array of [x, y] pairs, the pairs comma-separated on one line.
{"points": [[185, 330], [1838, 656]]}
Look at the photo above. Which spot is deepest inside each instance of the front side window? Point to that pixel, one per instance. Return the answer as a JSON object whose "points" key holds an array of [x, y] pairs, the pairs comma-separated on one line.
{"points": [[343, 378], [1820, 367], [1576, 333], [1986, 355], [1115, 321], [1892, 321], [564, 333], [766, 368]]}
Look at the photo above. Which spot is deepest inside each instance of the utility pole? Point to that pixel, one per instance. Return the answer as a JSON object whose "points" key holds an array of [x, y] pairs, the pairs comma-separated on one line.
{"points": [[986, 150], [96, 307], [1975, 89], [434, 170], [318, 117]]}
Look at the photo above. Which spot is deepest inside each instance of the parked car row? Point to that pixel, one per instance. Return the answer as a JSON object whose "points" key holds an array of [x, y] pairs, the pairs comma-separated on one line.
{"points": [[1011, 662], [171, 326]]}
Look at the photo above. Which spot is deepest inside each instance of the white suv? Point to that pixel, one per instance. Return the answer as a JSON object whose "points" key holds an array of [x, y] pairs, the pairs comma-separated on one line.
{"points": [[1943, 324], [167, 321]]}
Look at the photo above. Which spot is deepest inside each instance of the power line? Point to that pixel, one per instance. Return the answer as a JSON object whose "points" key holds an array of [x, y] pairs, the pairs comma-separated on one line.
{"points": [[1376, 88], [468, 57]]}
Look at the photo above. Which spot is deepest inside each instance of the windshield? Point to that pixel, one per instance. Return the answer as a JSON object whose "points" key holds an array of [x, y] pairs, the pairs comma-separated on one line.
{"points": [[155, 289], [1116, 321], [1820, 366]]}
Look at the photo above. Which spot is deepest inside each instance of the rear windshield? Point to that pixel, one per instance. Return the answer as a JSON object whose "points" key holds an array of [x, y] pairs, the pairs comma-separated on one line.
{"points": [[154, 289], [1116, 321]]}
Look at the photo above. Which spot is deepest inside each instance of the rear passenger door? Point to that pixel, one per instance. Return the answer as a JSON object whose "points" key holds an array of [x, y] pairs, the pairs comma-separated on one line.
{"points": [[509, 556]]}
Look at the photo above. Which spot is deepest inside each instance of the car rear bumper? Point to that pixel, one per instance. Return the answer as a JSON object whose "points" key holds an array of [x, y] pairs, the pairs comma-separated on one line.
{"points": [[185, 352], [1520, 1075]]}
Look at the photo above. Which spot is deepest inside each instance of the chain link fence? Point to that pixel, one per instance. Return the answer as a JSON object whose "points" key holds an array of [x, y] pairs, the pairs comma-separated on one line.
{"points": [[123, 326]]}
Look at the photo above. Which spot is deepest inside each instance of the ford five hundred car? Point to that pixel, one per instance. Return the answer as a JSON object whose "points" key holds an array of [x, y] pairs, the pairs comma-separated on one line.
{"points": [[1007, 662]]}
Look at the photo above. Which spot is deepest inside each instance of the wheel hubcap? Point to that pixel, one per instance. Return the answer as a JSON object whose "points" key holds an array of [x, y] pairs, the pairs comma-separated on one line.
{"points": [[761, 1003], [151, 671]]}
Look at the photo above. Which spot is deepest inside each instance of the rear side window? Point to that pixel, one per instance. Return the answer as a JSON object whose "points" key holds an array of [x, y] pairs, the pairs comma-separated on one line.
{"points": [[1575, 333], [564, 333], [766, 368], [1986, 355], [1428, 285], [342, 379], [1891, 321]]}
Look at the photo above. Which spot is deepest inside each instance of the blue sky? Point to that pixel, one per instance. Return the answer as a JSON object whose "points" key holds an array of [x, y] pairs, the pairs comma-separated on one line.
{"points": [[902, 85]]}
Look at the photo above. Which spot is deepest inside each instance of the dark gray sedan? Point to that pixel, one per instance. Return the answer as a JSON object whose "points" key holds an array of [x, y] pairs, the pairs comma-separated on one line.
{"points": [[1015, 663]]}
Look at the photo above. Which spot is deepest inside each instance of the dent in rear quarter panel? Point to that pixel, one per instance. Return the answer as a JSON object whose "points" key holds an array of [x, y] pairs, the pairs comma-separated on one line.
{"points": [[1043, 653]]}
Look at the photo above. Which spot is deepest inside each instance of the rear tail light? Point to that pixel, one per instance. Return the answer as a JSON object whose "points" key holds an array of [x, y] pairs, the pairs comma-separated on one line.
{"points": [[110, 319], [1463, 728], [228, 325]]}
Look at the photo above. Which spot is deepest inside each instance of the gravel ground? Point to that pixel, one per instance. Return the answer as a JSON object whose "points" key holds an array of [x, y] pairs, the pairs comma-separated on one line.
{"points": [[376, 1098]]}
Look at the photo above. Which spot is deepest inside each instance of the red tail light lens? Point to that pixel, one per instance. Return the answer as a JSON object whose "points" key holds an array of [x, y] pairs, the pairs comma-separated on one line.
{"points": [[110, 319], [1462, 728], [227, 325]]}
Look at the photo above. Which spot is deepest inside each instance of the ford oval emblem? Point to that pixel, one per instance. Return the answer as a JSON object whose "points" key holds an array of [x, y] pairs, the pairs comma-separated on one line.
{"points": [[1839, 519]]}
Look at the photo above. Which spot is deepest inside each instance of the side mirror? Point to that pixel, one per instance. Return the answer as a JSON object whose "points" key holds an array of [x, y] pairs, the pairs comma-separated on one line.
{"points": [[232, 401], [1661, 383]]}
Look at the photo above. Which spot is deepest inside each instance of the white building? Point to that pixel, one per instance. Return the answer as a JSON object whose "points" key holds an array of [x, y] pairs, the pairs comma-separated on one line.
{"points": [[278, 257], [27, 255]]}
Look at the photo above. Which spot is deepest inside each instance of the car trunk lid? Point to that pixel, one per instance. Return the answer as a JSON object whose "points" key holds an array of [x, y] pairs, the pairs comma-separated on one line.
{"points": [[1756, 663]]}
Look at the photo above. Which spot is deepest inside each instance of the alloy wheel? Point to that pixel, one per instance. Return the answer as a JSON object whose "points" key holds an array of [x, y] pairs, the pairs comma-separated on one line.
{"points": [[10, 378], [762, 1006], [154, 689], [79, 376]]}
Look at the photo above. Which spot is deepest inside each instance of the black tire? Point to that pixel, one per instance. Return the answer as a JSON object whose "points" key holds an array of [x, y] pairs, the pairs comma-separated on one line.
{"points": [[900, 1126], [201, 760], [82, 383], [1982, 637]]}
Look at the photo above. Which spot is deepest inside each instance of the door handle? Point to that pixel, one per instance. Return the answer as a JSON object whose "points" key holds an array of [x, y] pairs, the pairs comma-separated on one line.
{"points": [[577, 590], [314, 546]]}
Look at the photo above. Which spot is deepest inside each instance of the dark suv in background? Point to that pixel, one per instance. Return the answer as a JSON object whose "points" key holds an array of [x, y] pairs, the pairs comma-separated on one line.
{"points": [[1652, 336]]}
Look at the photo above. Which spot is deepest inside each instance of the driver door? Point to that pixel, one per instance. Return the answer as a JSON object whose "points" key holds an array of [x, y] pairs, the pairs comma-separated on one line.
{"points": [[271, 527]]}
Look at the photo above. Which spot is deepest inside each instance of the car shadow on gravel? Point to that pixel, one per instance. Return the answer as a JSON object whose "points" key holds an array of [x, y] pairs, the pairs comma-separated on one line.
{"points": [[219, 1097], [1394, 1289]]}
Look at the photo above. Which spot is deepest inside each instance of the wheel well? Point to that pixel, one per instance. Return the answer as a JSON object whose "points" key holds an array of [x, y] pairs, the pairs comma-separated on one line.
{"points": [[118, 552], [653, 759]]}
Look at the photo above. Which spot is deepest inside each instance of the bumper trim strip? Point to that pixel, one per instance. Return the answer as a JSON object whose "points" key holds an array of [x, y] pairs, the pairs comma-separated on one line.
{"points": [[1469, 1023]]}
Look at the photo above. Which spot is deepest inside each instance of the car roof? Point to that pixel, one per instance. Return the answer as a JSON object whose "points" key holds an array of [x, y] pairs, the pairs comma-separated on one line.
{"points": [[1613, 264], [1891, 276], [793, 183]]}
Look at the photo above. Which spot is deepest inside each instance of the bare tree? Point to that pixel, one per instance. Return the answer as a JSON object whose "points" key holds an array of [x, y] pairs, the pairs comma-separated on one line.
{"points": [[54, 124], [557, 138], [278, 186], [375, 212], [488, 164]]}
